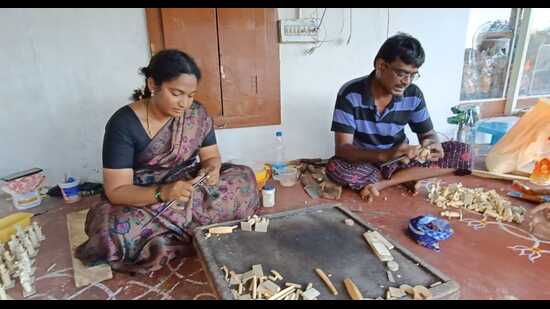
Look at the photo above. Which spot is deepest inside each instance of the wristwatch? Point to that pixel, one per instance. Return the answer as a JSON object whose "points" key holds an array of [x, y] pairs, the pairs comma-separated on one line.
{"points": [[157, 195]]}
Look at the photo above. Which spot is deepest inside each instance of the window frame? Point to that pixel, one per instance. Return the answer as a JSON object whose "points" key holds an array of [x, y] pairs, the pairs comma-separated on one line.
{"points": [[511, 103]]}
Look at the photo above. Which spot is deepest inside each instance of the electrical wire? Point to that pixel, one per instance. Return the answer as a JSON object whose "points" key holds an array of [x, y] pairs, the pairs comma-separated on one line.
{"points": [[350, 25], [388, 25], [318, 43], [322, 17]]}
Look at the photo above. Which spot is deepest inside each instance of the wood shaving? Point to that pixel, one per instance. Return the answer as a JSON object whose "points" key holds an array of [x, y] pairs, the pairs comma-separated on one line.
{"points": [[489, 203]]}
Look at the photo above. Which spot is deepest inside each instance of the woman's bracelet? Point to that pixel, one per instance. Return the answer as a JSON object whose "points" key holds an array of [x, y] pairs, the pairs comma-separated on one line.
{"points": [[157, 195]]}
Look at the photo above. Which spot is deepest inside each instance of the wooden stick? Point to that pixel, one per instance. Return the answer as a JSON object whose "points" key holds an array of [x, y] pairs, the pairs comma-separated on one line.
{"points": [[352, 289], [254, 287], [487, 174], [326, 280], [222, 229], [281, 294]]}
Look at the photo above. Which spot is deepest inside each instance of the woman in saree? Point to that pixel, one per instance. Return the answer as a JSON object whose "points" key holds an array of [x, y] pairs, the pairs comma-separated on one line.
{"points": [[154, 149]]}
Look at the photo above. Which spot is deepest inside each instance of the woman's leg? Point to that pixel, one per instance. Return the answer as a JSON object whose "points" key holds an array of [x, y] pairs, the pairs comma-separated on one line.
{"points": [[120, 236], [235, 197]]}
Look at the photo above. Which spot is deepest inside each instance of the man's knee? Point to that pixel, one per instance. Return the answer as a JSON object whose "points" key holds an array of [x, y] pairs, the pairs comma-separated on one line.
{"points": [[354, 175]]}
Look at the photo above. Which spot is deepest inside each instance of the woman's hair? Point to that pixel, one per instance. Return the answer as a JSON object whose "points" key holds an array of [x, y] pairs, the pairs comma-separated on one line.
{"points": [[404, 47], [164, 66]]}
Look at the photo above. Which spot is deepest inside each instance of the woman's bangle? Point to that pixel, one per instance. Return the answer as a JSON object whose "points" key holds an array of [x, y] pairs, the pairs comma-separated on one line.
{"points": [[157, 195]]}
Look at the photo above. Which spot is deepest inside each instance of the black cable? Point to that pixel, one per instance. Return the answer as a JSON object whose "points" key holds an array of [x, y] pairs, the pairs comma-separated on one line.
{"points": [[322, 17], [388, 25]]}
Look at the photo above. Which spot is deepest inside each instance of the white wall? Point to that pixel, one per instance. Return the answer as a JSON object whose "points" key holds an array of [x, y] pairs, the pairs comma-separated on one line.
{"points": [[309, 83], [65, 71]]}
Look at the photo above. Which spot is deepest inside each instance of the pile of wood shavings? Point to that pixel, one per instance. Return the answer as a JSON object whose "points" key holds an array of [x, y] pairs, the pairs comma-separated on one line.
{"points": [[488, 203]]}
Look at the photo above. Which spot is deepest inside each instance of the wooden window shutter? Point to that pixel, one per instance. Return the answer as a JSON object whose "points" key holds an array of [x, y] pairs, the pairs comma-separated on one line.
{"points": [[238, 53]]}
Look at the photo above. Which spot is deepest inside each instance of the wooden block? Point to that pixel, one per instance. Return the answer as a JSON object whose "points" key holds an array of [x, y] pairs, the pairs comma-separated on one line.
{"points": [[269, 287], [234, 278], [392, 265], [277, 275], [349, 222], [245, 297], [421, 292], [378, 247], [258, 270], [352, 289], [381, 238], [235, 294], [222, 229], [247, 276], [254, 287], [83, 275], [326, 280], [298, 286], [390, 276], [396, 293], [407, 289], [261, 226], [435, 284], [247, 225], [283, 293]]}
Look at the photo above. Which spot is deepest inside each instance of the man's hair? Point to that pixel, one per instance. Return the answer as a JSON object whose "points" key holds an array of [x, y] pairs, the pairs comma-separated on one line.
{"points": [[404, 47]]}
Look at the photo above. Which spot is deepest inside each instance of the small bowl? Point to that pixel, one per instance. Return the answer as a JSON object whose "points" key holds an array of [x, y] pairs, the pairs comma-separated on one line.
{"points": [[288, 177]]}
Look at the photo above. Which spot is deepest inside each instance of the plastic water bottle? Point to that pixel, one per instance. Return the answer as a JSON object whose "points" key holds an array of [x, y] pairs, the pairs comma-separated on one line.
{"points": [[279, 163]]}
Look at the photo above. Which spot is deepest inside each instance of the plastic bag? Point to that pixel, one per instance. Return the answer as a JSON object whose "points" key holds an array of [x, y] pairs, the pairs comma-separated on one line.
{"points": [[527, 142], [539, 223]]}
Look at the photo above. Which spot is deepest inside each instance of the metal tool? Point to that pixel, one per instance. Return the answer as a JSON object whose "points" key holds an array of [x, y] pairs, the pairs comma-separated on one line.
{"points": [[200, 181], [392, 161]]}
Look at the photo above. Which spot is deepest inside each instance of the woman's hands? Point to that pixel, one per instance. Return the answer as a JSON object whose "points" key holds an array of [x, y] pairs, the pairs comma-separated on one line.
{"points": [[212, 175], [179, 190]]}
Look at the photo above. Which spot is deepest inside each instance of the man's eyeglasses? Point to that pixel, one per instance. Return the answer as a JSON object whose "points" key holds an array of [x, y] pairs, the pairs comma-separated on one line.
{"points": [[402, 73]]}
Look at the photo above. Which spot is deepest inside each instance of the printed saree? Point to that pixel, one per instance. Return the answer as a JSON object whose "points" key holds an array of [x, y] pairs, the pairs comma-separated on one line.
{"points": [[120, 235]]}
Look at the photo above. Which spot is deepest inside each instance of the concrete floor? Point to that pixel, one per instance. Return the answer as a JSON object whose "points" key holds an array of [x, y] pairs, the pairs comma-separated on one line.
{"points": [[485, 259]]}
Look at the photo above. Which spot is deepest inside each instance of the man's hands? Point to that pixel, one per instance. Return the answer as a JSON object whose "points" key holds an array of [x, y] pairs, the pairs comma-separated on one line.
{"points": [[409, 151], [436, 151]]}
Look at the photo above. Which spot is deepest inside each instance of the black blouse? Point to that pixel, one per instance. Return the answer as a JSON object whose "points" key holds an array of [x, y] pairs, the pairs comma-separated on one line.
{"points": [[125, 138]]}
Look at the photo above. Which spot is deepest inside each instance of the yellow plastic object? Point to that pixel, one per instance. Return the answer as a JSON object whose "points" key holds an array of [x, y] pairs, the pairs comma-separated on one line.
{"points": [[262, 176], [7, 224], [541, 173]]}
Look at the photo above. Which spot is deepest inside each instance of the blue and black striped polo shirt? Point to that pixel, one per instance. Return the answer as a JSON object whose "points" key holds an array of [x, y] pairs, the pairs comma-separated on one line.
{"points": [[355, 112]]}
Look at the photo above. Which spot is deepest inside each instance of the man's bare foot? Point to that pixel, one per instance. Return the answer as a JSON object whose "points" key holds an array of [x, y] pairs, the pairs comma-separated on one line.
{"points": [[412, 186], [369, 192]]}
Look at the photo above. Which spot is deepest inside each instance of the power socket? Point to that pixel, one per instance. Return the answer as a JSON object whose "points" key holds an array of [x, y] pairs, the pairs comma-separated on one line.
{"points": [[299, 30]]}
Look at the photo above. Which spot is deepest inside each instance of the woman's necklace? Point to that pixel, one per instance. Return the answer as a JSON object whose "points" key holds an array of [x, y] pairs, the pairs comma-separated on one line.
{"points": [[147, 111]]}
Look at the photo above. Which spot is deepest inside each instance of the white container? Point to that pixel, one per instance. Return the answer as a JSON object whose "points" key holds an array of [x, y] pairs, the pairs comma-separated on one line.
{"points": [[268, 196], [288, 177], [26, 200], [70, 191]]}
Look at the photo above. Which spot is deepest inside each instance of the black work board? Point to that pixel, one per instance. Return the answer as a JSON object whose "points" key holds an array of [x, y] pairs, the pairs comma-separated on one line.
{"points": [[298, 241]]}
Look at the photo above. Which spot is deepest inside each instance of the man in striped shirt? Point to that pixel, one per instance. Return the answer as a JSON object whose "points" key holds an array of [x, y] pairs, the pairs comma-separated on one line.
{"points": [[369, 118]]}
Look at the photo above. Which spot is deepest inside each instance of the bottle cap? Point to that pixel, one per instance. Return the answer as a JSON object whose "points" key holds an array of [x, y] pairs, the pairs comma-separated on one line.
{"points": [[269, 187]]}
